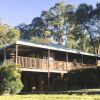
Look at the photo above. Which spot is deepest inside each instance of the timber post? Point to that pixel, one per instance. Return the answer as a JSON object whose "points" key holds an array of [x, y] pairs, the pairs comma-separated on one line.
{"points": [[48, 66], [66, 62], [16, 53], [82, 60]]}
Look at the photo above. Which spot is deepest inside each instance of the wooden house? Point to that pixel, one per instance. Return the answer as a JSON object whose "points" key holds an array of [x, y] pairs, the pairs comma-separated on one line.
{"points": [[41, 64]]}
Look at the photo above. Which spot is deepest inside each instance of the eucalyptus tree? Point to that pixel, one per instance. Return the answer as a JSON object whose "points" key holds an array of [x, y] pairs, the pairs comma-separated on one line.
{"points": [[89, 20], [77, 28], [38, 31], [33, 31], [24, 31], [54, 19], [58, 21], [37, 27], [69, 26]]}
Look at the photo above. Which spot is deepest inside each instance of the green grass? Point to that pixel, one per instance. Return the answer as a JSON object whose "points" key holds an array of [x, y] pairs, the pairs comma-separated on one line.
{"points": [[50, 97]]}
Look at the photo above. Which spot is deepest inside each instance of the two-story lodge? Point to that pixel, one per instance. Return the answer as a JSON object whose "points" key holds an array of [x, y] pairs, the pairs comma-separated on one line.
{"points": [[41, 64]]}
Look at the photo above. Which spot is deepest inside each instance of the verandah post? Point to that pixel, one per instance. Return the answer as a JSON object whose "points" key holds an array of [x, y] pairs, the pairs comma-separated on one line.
{"points": [[82, 60], [48, 66], [66, 61], [16, 53], [66, 69]]}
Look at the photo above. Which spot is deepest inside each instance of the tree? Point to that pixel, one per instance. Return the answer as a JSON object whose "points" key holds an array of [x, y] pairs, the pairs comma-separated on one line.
{"points": [[38, 31], [89, 20], [58, 20], [69, 26], [37, 27], [10, 80], [8, 34], [12, 35], [24, 31], [3, 31], [35, 32], [75, 28], [54, 21]]}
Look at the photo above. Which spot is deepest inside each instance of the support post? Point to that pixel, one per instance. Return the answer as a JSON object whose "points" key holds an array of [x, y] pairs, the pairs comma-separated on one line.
{"points": [[48, 66], [62, 74], [96, 61], [16, 53], [82, 60], [66, 61]]}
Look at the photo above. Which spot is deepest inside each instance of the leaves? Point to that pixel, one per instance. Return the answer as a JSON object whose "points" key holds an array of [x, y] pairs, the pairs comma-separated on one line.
{"points": [[10, 81], [8, 34], [73, 27], [89, 20]]}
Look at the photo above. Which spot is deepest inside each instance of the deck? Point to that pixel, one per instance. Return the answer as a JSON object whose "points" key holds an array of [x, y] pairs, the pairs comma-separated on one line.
{"points": [[43, 65]]}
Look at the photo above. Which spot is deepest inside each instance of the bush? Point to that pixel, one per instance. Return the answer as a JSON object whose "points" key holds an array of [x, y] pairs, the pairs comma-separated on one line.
{"points": [[84, 78], [10, 80], [78, 79]]}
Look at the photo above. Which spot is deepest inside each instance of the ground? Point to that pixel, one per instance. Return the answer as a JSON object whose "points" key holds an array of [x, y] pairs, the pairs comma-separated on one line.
{"points": [[83, 94], [50, 97]]}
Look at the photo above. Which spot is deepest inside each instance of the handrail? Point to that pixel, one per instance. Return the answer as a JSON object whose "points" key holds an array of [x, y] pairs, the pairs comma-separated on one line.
{"points": [[42, 64], [38, 63]]}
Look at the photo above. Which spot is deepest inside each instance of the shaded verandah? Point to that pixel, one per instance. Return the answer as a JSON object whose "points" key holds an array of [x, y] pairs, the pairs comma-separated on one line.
{"points": [[53, 59]]}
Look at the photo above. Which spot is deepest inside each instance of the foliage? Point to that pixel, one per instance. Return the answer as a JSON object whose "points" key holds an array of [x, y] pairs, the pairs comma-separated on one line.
{"points": [[56, 19], [77, 28], [10, 82], [37, 27], [24, 31], [40, 40], [8, 34], [89, 20], [79, 79]]}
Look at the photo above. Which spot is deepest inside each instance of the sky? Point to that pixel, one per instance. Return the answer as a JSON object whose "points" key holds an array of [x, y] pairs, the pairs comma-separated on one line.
{"points": [[15, 12]]}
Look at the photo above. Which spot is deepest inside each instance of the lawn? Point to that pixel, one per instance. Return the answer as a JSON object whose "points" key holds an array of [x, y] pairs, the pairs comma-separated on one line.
{"points": [[50, 97]]}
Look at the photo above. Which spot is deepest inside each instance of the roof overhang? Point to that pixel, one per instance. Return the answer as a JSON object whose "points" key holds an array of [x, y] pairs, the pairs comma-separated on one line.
{"points": [[25, 43]]}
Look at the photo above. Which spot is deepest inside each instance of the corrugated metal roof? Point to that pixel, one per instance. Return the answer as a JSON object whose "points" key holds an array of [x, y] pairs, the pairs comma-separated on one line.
{"points": [[54, 47], [50, 46]]}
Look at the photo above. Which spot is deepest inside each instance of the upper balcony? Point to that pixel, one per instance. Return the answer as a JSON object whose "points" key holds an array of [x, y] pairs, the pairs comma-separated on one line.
{"points": [[42, 58], [44, 65]]}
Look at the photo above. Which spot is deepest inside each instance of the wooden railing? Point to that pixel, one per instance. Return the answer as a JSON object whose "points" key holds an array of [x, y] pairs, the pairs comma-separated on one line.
{"points": [[36, 63], [27, 62], [8, 62], [42, 64]]}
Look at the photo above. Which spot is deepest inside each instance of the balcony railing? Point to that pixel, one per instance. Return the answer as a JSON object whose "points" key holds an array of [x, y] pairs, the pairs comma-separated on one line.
{"points": [[43, 64]]}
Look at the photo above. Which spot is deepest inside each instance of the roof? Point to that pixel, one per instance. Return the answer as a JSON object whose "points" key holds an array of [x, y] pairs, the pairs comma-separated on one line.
{"points": [[50, 47]]}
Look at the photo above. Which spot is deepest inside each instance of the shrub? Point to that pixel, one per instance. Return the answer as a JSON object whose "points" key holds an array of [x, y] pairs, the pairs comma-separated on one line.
{"points": [[84, 78], [78, 79], [10, 80]]}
